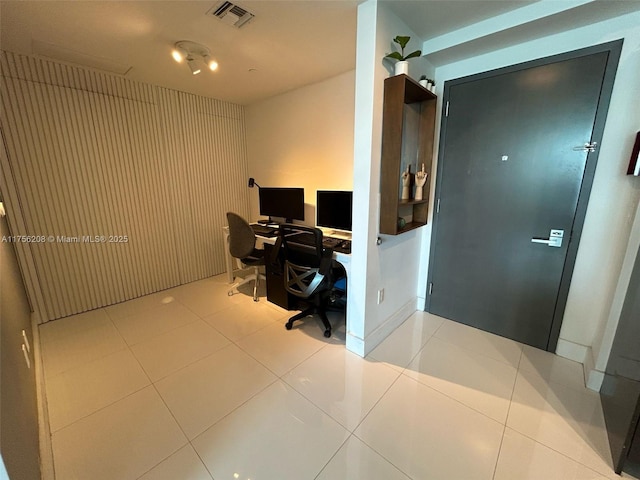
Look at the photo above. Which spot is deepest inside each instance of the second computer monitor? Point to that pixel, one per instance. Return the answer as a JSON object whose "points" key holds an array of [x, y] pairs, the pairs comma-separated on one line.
{"points": [[287, 203], [333, 209]]}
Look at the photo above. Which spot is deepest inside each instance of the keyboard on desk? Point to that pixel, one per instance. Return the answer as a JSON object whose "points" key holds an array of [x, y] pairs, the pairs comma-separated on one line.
{"points": [[330, 242], [343, 247], [337, 244], [264, 230]]}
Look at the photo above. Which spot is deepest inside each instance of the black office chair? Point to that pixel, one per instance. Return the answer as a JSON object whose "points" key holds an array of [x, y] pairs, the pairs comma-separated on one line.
{"points": [[310, 271], [242, 243]]}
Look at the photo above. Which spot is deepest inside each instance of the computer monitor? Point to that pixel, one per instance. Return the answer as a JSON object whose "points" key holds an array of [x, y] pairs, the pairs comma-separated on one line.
{"points": [[333, 209], [287, 203]]}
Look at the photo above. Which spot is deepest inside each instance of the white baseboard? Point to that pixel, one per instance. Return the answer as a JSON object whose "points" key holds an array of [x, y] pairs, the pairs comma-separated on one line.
{"points": [[47, 471], [355, 344], [580, 353], [592, 377], [572, 351], [362, 346], [594, 380]]}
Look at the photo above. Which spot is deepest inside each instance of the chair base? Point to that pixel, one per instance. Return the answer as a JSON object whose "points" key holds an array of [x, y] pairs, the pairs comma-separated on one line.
{"points": [[254, 277], [310, 311]]}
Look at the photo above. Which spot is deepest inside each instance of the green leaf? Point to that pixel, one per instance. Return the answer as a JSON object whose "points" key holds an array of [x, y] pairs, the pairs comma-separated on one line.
{"points": [[417, 53], [395, 55], [402, 41]]}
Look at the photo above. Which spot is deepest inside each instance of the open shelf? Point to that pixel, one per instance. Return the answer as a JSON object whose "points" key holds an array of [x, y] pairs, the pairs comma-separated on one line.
{"points": [[408, 125]]}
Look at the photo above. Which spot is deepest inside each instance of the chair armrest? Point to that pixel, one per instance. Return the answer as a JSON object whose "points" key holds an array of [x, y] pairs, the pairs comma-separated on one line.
{"points": [[326, 262]]}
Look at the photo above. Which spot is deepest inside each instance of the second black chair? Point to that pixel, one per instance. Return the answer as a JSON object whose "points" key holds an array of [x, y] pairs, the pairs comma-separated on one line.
{"points": [[242, 242], [310, 271]]}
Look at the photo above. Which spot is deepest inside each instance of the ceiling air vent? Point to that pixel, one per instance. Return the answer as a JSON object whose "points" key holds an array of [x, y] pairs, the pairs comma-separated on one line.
{"points": [[231, 14]]}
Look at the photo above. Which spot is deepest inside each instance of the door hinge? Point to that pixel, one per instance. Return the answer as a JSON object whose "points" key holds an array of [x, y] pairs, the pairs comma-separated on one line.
{"points": [[438, 206], [446, 111], [430, 288]]}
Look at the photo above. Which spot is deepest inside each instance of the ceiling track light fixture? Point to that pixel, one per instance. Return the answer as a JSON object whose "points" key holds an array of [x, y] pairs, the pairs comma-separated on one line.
{"points": [[194, 54]]}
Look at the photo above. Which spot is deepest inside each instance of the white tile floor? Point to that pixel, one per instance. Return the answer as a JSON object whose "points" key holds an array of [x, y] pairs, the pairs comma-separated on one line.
{"points": [[190, 384]]}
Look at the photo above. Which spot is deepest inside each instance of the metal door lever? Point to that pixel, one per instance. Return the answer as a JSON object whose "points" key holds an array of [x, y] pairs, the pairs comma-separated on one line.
{"points": [[554, 240], [587, 147]]}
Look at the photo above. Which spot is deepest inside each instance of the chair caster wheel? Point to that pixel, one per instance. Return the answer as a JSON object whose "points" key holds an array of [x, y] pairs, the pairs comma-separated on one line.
{"points": [[327, 333], [230, 293], [256, 299], [288, 325]]}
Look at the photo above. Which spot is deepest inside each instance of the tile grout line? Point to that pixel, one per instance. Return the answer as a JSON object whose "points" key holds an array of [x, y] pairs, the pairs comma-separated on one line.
{"points": [[573, 390], [157, 334], [230, 412], [403, 372], [207, 355], [100, 409], [265, 366], [44, 349], [126, 347], [506, 419], [333, 456], [190, 441], [480, 353], [367, 415]]}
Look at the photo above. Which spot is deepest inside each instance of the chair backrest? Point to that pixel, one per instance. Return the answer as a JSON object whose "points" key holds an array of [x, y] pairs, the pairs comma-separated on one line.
{"points": [[307, 264], [242, 239]]}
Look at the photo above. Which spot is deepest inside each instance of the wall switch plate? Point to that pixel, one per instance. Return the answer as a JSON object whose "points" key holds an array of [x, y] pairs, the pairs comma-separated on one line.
{"points": [[380, 296]]}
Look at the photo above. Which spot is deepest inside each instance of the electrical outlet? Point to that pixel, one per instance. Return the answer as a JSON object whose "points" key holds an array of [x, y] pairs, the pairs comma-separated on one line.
{"points": [[380, 296]]}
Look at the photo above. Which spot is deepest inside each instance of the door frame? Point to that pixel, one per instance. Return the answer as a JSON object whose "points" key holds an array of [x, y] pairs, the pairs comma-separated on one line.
{"points": [[613, 48]]}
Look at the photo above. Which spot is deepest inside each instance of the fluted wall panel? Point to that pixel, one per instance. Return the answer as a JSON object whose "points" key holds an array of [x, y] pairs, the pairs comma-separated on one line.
{"points": [[95, 156]]}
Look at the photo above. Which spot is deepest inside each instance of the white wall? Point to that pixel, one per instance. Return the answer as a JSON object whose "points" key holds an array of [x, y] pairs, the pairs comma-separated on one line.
{"points": [[603, 343], [308, 138], [303, 138], [284, 131], [395, 264], [614, 196]]}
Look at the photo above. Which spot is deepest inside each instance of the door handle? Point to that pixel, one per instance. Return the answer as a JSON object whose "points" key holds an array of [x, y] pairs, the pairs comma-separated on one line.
{"points": [[554, 240], [587, 147]]}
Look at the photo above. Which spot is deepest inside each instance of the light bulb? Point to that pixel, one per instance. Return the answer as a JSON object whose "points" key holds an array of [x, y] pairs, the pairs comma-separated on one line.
{"points": [[212, 64], [178, 54]]}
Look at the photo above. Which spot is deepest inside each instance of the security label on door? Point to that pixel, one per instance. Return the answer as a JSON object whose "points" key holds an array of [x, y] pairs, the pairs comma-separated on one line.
{"points": [[554, 240]]}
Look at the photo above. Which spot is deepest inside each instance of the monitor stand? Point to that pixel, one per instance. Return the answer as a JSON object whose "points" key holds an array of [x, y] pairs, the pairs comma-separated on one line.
{"points": [[265, 222]]}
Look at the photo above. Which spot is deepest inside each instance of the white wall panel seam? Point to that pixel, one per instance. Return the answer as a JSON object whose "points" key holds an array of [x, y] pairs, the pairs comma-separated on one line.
{"points": [[114, 172]]}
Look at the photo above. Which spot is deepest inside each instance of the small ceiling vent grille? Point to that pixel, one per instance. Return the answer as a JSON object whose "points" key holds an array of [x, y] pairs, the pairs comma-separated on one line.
{"points": [[231, 14]]}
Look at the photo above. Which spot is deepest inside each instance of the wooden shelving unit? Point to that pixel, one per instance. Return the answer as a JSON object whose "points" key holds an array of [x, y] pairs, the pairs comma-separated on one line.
{"points": [[408, 125]]}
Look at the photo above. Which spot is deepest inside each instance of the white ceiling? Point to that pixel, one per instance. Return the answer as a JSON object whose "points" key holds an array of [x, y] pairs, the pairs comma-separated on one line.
{"points": [[429, 19], [287, 45]]}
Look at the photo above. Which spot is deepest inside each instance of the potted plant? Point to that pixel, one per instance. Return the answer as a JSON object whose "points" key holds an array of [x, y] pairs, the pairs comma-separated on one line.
{"points": [[401, 65], [431, 84], [424, 81]]}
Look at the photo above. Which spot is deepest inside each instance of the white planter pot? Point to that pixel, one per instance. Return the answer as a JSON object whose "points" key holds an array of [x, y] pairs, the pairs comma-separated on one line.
{"points": [[432, 87], [402, 67], [423, 83]]}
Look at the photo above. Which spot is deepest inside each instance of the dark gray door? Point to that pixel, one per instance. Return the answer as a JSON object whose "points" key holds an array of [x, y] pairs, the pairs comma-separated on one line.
{"points": [[620, 392], [509, 172]]}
